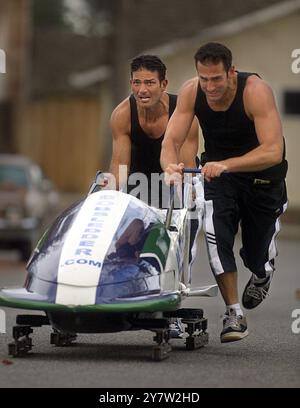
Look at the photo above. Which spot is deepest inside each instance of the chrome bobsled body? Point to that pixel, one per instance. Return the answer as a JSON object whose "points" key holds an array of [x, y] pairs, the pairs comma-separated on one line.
{"points": [[109, 253]]}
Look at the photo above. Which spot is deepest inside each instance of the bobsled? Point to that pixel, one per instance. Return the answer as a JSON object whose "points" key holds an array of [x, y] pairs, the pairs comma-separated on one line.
{"points": [[110, 263]]}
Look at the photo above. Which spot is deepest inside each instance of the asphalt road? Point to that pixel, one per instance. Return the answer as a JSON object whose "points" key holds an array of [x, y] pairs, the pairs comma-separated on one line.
{"points": [[268, 357]]}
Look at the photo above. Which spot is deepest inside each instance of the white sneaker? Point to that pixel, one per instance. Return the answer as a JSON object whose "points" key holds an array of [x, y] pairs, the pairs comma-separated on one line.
{"points": [[234, 327]]}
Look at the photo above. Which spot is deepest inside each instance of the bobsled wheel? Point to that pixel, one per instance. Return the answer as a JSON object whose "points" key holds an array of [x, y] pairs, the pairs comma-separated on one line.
{"points": [[62, 339], [22, 342], [161, 352], [196, 330], [163, 348], [20, 348], [195, 342]]}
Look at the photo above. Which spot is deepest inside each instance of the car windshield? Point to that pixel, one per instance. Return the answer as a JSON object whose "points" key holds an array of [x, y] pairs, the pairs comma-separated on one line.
{"points": [[15, 175]]}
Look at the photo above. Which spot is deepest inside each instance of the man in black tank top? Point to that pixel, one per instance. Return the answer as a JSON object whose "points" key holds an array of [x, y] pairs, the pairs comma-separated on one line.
{"points": [[138, 127], [244, 170]]}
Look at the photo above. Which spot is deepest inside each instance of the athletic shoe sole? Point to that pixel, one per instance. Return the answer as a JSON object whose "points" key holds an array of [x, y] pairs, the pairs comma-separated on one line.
{"points": [[233, 336]]}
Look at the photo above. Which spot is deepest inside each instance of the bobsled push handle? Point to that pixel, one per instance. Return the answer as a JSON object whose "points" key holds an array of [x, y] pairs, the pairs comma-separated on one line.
{"points": [[197, 171], [170, 209], [189, 170]]}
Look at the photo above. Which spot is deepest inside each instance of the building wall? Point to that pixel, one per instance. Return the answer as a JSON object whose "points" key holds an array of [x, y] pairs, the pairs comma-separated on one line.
{"points": [[265, 49], [63, 135], [14, 40]]}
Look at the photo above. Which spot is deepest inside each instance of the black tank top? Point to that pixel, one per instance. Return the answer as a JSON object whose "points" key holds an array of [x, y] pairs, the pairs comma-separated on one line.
{"points": [[231, 133], [145, 151], [145, 155]]}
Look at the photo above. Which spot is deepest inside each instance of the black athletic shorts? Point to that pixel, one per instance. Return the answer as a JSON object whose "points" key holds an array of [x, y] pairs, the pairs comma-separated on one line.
{"points": [[256, 205]]}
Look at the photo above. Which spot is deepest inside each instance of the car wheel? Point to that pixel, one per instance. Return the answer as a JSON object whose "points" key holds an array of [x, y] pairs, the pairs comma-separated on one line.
{"points": [[25, 249]]}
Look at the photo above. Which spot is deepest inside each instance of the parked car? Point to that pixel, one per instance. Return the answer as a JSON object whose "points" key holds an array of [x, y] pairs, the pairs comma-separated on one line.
{"points": [[27, 201]]}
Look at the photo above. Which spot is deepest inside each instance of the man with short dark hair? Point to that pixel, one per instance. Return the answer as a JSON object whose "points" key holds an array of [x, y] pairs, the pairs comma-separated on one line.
{"points": [[244, 168]]}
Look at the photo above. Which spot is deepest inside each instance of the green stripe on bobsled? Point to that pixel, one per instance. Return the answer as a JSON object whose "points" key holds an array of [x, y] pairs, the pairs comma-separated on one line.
{"points": [[163, 303], [158, 243]]}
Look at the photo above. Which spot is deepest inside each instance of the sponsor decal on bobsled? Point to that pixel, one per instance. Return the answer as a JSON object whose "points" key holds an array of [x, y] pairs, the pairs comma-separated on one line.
{"points": [[82, 262], [86, 246]]}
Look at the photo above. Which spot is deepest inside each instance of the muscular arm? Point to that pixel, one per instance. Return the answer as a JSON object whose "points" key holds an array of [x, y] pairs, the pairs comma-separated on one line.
{"points": [[121, 147], [260, 105], [179, 126], [189, 149]]}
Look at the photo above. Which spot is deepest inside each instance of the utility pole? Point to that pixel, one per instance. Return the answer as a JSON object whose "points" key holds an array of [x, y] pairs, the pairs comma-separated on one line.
{"points": [[122, 48]]}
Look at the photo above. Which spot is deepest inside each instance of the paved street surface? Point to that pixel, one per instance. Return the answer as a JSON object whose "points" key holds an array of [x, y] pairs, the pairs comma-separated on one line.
{"points": [[268, 357]]}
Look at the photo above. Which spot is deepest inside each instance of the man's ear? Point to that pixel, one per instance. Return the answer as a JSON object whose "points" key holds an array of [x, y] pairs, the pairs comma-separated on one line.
{"points": [[231, 71], [164, 84]]}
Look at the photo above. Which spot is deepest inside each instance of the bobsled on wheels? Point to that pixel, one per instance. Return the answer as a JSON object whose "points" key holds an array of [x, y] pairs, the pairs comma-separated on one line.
{"points": [[109, 263]]}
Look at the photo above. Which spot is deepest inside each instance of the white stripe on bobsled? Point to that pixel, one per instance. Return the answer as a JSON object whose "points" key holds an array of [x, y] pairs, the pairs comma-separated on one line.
{"points": [[86, 245]]}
